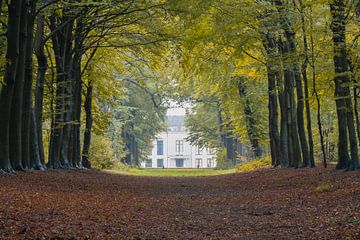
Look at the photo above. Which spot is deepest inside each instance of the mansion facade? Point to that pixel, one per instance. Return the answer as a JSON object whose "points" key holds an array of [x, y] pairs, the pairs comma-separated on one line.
{"points": [[172, 150]]}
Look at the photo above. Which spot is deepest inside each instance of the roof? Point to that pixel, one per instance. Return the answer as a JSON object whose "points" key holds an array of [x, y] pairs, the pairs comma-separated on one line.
{"points": [[175, 121]]}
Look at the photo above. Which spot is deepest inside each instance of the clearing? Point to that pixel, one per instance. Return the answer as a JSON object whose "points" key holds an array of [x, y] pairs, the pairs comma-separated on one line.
{"points": [[156, 172], [264, 204]]}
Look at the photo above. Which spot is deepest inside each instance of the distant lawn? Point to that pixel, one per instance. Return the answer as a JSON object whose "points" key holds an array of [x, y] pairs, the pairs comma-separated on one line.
{"points": [[172, 172]]}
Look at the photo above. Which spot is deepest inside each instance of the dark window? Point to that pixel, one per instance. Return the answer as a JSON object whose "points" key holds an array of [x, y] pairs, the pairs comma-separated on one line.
{"points": [[160, 147], [198, 162], [148, 163], [179, 163], [179, 148], [198, 150], [210, 162], [160, 163]]}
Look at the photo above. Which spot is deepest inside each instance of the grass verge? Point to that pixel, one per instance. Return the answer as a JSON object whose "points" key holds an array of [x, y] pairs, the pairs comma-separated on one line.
{"points": [[171, 172]]}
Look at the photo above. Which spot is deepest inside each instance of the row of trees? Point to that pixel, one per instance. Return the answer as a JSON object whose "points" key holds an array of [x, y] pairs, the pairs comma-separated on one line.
{"points": [[263, 70], [64, 38], [230, 47]]}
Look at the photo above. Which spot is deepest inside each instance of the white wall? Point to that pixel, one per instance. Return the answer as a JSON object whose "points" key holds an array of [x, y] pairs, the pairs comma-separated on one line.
{"points": [[189, 153]]}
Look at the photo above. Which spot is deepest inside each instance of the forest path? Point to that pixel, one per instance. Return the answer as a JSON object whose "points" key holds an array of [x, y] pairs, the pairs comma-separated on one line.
{"points": [[265, 204]]}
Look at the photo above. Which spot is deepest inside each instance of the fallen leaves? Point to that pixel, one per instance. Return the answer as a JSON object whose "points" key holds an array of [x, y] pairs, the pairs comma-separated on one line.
{"points": [[265, 204]]}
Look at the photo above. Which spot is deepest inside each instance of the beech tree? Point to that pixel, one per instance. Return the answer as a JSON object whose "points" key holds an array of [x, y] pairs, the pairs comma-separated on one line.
{"points": [[265, 67]]}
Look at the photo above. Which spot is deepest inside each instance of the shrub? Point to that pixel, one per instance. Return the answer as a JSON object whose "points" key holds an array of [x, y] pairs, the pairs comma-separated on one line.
{"points": [[325, 187], [101, 153], [221, 160], [254, 164]]}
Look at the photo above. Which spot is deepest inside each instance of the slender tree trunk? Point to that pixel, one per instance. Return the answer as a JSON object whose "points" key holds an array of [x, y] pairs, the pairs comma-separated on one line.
{"points": [[77, 97], [305, 78], [272, 69], [283, 124], [222, 136], [321, 135], [229, 144], [27, 98], [342, 90], [40, 81], [356, 111], [34, 148], [77, 114], [6, 95], [16, 133], [88, 126], [250, 120]]}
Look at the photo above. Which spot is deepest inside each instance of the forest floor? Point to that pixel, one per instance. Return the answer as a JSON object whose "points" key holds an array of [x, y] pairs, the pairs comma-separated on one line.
{"points": [[264, 204]]}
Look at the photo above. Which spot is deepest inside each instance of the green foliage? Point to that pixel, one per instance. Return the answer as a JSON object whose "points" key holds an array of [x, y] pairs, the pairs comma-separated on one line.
{"points": [[325, 187], [221, 160], [254, 164], [101, 153], [203, 125]]}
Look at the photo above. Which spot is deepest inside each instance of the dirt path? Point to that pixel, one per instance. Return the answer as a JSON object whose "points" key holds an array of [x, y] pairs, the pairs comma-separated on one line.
{"points": [[267, 204]]}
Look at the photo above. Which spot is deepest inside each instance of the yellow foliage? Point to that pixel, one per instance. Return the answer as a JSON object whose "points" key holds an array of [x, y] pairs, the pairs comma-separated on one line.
{"points": [[255, 164]]}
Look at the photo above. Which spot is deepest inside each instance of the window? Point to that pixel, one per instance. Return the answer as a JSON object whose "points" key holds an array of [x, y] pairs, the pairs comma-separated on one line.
{"points": [[198, 162], [210, 162], [148, 163], [179, 163], [198, 151], [160, 163], [160, 147], [179, 147]]}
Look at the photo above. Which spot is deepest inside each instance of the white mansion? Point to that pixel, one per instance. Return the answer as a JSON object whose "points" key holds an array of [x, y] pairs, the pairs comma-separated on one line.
{"points": [[171, 150]]}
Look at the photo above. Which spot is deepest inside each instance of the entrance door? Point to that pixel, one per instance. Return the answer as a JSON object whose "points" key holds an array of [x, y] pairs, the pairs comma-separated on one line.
{"points": [[179, 162]]}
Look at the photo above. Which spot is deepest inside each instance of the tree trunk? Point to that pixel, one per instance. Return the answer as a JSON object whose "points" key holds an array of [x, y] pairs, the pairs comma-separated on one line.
{"points": [[27, 97], [77, 96], [272, 69], [323, 147], [12, 54], [40, 81], [292, 76], [250, 120], [229, 144], [342, 90], [35, 160], [60, 136], [16, 133], [304, 66], [88, 126], [356, 111]]}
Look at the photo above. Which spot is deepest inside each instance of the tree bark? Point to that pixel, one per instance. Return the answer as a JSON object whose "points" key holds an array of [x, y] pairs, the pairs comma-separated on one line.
{"points": [[62, 45], [250, 120], [318, 113], [16, 133], [304, 66], [12, 55], [39, 48], [88, 126], [35, 160], [292, 78], [27, 97], [272, 70], [344, 106]]}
